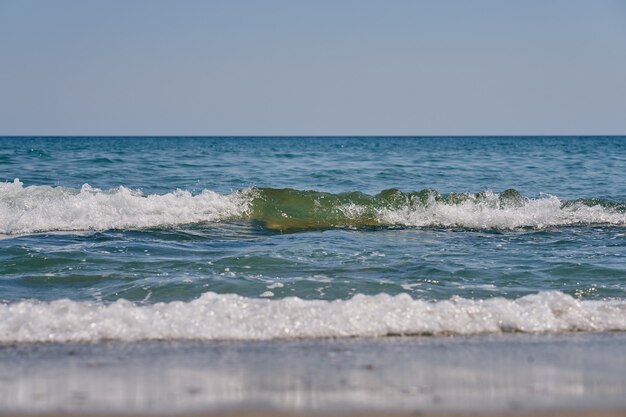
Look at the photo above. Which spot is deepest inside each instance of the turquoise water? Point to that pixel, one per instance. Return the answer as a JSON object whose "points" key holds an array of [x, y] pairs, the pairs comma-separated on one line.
{"points": [[420, 228]]}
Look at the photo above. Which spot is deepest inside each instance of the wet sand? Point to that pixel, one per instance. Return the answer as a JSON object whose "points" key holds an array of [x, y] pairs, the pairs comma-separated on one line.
{"points": [[538, 375], [357, 414]]}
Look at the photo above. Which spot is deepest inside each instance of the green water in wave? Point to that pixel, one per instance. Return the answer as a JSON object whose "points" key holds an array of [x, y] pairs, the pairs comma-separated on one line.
{"points": [[294, 210]]}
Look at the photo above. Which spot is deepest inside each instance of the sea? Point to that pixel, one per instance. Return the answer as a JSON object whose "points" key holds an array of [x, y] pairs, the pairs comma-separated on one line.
{"points": [[289, 238]]}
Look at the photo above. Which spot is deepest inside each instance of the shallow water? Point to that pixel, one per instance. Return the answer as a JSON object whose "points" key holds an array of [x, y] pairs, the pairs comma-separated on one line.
{"points": [[498, 234]]}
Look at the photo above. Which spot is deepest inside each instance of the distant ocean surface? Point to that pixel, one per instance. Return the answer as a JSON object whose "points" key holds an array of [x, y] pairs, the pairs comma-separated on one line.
{"points": [[142, 238]]}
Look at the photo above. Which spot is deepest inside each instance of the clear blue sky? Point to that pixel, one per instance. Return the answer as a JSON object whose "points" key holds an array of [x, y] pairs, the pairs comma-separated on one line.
{"points": [[234, 67]]}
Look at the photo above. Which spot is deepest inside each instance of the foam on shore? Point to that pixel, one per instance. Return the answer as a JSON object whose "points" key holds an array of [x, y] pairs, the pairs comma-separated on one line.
{"points": [[231, 317]]}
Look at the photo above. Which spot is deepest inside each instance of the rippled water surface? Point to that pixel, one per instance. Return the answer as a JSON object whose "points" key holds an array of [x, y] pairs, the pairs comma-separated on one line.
{"points": [[512, 233]]}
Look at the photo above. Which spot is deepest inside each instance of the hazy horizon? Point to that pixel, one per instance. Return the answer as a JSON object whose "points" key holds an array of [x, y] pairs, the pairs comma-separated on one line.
{"points": [[291, 68]]}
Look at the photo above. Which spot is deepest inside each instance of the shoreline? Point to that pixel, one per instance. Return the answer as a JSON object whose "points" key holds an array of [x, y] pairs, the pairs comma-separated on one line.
{"points": [[279, 413], [513, 374]]}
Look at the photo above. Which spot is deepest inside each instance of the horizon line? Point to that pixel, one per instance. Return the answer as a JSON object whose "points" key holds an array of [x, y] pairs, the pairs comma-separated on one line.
{"points": [[318, 136]]}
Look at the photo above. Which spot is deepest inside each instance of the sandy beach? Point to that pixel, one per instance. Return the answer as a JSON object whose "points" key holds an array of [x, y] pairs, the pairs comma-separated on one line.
{"points": [[360, 414], [572, 374]]}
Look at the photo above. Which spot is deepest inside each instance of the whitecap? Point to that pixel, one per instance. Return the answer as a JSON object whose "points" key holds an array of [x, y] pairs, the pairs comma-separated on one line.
{"points": [[43, 208]]}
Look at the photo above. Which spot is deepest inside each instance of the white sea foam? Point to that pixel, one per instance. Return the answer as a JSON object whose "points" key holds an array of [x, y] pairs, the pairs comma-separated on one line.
{"points": [[489, 213], [232, 317], [44, 208]]}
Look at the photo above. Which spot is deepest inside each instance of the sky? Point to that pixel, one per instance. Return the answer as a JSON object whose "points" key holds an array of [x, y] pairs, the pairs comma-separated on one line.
{"points": [[315, 67]]}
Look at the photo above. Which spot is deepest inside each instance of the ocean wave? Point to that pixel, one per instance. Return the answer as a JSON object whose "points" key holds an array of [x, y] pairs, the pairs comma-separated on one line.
{"points": [[43, 208], [294, 209], [231, 317], [539, 213]]}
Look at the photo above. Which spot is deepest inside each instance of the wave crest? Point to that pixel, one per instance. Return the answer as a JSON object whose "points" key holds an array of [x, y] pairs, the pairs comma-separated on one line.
{"points": [[44, 208], [289, 209]]}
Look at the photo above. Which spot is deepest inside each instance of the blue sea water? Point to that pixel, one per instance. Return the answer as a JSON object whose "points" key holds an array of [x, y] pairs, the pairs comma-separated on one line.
{"points": [[138, 238]]}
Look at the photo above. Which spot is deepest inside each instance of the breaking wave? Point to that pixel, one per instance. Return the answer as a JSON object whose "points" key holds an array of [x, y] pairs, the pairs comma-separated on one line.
{"points": [[43, 208], [232, 317]]}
